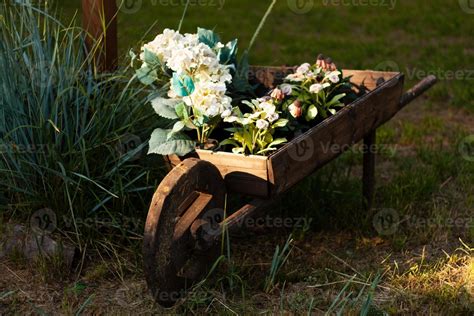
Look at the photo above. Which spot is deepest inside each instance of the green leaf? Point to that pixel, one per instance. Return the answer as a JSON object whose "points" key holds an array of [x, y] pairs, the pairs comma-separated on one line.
{"points": [[238, 136], [146, 75], [311, 113], [182, 111], [335, 101], [227, 54], [165, 107], [199, 117], [248, 140], [240, 81], [183, 85], [133, 57], [278, 141], [179, 144], [178, 126], [151, 59], [229, 142], [280, 123], [208, 37]]}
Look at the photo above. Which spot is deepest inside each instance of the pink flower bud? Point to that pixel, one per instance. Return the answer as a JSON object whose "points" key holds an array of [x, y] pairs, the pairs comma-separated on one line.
{"points": [[295, 109], [326, 64], [277, 94]]}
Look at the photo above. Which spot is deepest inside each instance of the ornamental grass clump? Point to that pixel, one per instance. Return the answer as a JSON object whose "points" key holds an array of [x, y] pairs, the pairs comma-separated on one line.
{"points": [[65, 131]]}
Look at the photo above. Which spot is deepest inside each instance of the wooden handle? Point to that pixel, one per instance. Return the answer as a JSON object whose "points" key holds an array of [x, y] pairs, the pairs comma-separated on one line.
{"points": [[420, 88]]}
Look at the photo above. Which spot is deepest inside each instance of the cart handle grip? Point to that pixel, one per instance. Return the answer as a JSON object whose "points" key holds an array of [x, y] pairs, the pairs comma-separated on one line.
{"points": [[420, 88]]}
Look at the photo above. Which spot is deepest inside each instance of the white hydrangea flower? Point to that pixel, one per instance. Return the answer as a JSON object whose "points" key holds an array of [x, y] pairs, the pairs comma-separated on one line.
{"points": [[226, 113], [164, 44], [184, 54]]}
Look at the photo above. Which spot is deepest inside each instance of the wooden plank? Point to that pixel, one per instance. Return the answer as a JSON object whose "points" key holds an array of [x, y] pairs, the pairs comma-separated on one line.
{"points": [[242, 174], [312, 150], [99, 20], [368, 78], [368, 178]]}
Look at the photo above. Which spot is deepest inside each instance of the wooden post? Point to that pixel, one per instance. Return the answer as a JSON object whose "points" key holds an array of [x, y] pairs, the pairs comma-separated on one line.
{"points": [[369, 169], [99, 20]]}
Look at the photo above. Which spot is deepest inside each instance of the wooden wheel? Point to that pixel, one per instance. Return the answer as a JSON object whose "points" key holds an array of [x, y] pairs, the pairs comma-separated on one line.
{"points": [[173, 260]]}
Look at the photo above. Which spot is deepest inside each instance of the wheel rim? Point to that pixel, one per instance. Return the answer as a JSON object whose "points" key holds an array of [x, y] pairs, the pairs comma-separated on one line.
{"points": [[172, 261]]}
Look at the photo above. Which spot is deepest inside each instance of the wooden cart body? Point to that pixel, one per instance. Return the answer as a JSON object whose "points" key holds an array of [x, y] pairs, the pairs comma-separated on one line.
{"points": [[187, 216], [265, 177]]}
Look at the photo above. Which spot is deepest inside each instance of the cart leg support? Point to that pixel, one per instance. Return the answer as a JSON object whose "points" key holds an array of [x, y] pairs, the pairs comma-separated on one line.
{"points": [[369, 169]]}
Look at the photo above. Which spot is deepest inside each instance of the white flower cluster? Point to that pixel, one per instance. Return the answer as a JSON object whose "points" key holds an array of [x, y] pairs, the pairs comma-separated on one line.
{"points": [[263, 116], [186, 55], [306, 72]]}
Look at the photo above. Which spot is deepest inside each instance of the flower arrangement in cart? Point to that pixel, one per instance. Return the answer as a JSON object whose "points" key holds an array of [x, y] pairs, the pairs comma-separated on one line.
{"points": [[202, 90]]}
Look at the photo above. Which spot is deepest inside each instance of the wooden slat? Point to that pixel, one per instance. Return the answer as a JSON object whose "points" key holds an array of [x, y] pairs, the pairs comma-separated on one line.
{"points": [[314, 149], [368, 78], [242, 174]]}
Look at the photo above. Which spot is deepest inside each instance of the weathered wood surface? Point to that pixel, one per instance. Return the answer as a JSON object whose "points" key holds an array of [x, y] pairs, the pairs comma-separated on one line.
{"points": [[191, 190], [99, 20], [243, 174], [312, 150]]}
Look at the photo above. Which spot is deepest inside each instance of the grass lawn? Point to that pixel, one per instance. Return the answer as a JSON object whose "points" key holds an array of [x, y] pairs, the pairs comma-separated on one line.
{"points": [[415, 37], [344, 257]]}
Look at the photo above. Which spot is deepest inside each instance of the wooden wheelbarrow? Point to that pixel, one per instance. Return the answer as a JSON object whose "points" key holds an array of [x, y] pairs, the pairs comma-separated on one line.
{"points": [[186, 216]]}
